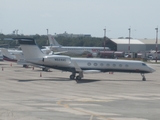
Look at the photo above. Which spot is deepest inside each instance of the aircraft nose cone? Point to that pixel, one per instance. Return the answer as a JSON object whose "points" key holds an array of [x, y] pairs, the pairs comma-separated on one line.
{"points": [[152, 70]]}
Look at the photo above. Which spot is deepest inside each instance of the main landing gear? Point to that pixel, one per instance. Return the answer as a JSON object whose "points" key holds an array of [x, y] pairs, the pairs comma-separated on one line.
{"points": [[143, 77], [45, 69], [78, 77]]}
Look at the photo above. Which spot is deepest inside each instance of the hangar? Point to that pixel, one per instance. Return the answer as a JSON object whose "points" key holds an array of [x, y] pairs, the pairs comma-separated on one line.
{"points": [[136, 45], [150, 44]]}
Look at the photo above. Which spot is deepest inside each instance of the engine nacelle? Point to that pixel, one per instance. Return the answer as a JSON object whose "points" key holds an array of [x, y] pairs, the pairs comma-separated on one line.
{"points": [[57, 60]]}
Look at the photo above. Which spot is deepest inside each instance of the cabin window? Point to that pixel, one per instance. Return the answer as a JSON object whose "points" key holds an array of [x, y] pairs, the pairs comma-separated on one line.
{"points": [[108, 65], [120, 65], [95, 64], [126, 65], [101, 64], [114, 65], [89, 64]]}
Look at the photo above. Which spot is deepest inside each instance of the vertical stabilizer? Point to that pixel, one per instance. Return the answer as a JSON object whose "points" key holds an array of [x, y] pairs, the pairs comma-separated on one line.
{"points": [[19, 57], [30, 48], [53, 41]]}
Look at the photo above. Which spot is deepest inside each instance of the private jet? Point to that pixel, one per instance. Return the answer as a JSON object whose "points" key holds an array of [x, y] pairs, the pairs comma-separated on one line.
{"points": [[79, 66], [9, 55]]}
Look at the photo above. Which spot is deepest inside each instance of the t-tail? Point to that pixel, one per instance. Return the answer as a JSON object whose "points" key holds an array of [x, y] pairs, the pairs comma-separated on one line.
{"points": [[30, 48], [53, 41]]}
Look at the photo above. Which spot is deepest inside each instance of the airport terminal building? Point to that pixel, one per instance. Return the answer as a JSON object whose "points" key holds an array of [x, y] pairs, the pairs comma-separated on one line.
{"points": [[136, 45]]}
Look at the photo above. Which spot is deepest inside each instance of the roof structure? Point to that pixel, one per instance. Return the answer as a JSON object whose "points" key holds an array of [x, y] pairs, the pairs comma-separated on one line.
{"points": [[150, 41], [126, 41]]}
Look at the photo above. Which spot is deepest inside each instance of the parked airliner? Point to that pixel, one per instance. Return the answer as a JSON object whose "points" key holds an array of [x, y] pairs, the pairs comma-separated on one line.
{"points": [[34, 55], [75, 50]]}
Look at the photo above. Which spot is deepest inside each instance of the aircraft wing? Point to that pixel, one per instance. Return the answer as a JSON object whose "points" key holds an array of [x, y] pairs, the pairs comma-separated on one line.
{"points": [[77, 68], [57, 53]]}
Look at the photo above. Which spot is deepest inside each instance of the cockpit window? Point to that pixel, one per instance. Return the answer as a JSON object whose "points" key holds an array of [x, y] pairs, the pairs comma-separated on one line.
{"points": [[143, 64]]}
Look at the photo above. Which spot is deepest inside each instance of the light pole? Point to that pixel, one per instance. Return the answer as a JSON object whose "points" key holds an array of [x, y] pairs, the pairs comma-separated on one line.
{"points": [[47, 31], [156, 42], [129, 40], [47, 35], [15, 32], [104, 39]]}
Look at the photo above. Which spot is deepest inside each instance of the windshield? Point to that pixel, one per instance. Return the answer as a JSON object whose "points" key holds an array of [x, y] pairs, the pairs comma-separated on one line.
{"points": [[143, 64]]}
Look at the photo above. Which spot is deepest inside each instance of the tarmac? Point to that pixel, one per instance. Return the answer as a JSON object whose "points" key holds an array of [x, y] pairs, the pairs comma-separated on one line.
{"points": [[31, 94]]}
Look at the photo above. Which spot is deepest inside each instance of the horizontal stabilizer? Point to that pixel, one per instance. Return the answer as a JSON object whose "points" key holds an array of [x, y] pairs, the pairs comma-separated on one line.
{"points": [[57, 53]]}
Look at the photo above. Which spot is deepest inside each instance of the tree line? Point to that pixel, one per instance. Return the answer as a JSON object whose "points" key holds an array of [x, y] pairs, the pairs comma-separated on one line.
{"points": [[42, 40]]}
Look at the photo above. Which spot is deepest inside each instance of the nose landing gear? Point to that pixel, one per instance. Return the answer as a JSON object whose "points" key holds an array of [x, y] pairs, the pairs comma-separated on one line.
{"points": [[143, 77]]}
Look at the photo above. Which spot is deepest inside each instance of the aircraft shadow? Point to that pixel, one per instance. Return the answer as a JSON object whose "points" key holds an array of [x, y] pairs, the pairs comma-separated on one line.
{"points": [[31, 80], [125, 80], [55, 79], [87, 81], [79, 82]]}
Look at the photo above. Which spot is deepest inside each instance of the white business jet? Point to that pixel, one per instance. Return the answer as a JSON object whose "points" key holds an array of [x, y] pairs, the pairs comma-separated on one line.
{"points": [[34, 55], [17, 56], [9, 55], [75, 50]]}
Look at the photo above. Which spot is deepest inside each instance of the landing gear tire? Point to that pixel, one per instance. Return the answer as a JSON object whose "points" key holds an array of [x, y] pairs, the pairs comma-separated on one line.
{"points": [[72, 77], [45, 69], [78, 78], [143, 79], [25, 66]]}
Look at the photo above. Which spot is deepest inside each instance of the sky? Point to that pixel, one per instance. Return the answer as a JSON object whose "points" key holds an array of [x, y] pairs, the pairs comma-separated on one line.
{"points": [[81, 17]]}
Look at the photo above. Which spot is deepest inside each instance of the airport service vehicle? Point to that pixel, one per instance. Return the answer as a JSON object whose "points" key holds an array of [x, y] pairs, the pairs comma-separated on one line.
{"points": [[74, 50], [79, 66]]}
